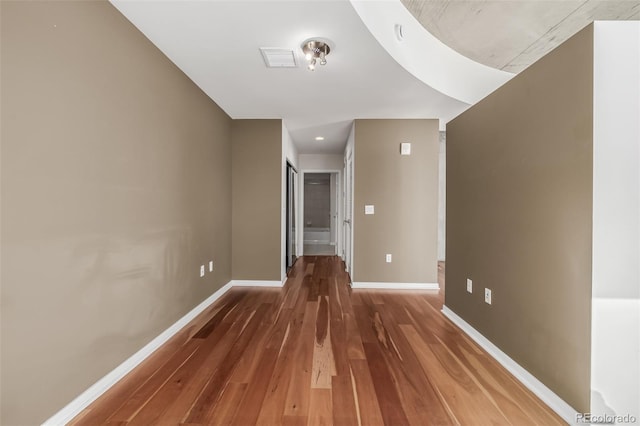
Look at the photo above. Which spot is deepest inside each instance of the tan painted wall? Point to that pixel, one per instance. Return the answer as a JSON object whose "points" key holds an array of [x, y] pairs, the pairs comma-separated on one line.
{"points": [[257, 158], [404, 191], [116, 187], [519, 203]]}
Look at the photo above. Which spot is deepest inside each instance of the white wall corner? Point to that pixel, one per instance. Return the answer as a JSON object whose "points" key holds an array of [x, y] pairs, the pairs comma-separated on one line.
{"points": [[615, 305], [554, 402]]}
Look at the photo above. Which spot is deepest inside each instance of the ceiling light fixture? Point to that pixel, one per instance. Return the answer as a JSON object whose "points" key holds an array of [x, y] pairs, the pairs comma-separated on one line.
{"points": [[319, 138], [315, 51]]}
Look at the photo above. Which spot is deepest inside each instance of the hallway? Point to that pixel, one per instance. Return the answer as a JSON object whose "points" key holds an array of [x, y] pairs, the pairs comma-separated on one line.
{"points": [[316, 352]]}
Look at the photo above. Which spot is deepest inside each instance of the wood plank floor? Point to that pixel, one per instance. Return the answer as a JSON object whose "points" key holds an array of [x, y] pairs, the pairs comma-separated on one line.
{"points": [[317, 353]]}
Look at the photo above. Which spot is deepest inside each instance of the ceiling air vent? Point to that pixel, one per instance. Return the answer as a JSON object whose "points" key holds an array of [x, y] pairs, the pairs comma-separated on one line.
{"points": [[278, 58]]}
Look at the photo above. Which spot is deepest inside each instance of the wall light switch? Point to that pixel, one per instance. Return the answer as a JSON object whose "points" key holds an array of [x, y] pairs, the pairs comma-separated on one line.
{"points": [[211, 266], [388, 258], [369, 209], [202, 270], [405, 148], [469, 286]]}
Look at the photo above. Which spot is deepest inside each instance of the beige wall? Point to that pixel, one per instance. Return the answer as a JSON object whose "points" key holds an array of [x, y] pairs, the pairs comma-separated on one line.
{"points": [[256, 205], [519, 205], [404, 191], [116, 187]]}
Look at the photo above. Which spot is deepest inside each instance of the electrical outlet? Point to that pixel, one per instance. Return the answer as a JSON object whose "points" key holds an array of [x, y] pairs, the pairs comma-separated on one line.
{"points": [[469, 286], [487, 295], [388, 258], [211, 266], [201, 270]]}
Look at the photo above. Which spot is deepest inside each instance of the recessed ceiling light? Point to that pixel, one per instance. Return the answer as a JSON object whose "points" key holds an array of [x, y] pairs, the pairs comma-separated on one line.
{"points": [[319, 138]]}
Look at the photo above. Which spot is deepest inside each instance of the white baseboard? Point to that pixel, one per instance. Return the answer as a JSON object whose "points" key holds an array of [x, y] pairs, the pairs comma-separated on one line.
{"points": [[554, 402], [256, 283], [81, 402], [396, 286]]}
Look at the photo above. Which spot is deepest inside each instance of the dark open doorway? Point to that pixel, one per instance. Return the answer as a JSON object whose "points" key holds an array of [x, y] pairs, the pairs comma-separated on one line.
{"points": [[291, 234]]}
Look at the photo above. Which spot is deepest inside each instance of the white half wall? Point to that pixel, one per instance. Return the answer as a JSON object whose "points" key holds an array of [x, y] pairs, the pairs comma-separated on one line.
{"points": [[615, 335]]}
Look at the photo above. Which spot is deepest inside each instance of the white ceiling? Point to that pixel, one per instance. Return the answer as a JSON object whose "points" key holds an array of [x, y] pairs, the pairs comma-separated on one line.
{"points": [[216, 43], [455, 46]]}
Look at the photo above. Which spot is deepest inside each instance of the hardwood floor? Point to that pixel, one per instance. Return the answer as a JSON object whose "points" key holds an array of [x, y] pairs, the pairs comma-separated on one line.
{"points": [[318, 353]]}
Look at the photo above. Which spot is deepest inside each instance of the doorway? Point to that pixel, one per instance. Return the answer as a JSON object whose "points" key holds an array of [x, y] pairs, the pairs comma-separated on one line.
{"points": [[291, 228], [320, 213]]}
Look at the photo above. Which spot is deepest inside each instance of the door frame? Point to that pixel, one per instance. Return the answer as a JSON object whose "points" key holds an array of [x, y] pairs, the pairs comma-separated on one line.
{"points": [[339, 207], [291, 216], [348, 201]]}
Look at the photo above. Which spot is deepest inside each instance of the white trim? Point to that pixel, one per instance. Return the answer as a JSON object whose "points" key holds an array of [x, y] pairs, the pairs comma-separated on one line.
{"points": [[396, 286], [547, 396], [258, 283], [83, 400]]}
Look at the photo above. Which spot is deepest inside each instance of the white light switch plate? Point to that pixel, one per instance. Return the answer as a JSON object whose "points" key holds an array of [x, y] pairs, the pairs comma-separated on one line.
{"points": [[202, 270], [388, 258], [405, 148], [369, 209], [211, 266], [469, 285]]}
